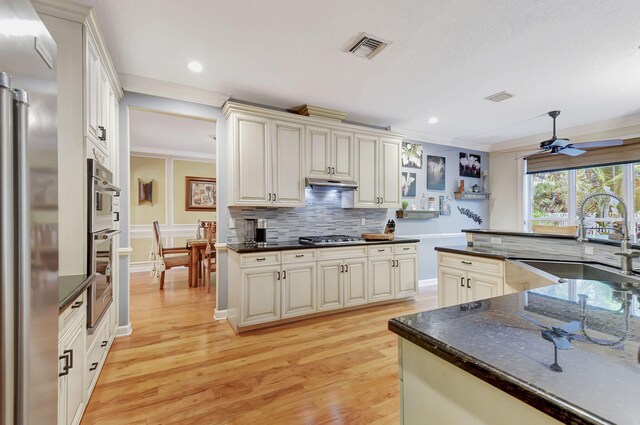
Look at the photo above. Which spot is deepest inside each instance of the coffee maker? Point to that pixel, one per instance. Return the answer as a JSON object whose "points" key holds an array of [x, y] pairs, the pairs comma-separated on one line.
{"points": [[261, 232], [255, 231]]}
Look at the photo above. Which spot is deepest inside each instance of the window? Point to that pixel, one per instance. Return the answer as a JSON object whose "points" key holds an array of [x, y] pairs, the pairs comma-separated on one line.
{"points": [[555, 198]]}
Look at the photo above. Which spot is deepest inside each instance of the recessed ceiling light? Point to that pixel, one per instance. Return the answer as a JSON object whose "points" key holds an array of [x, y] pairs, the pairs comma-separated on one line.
{"points": [[433, 120], [195, 66]]}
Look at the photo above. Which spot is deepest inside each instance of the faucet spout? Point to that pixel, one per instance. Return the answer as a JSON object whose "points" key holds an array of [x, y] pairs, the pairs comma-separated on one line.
{"points": [[582, 234]]}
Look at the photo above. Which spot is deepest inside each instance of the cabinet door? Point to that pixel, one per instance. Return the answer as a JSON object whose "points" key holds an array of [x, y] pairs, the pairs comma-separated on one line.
{"points": [[483, 286], [390, 173], [92, 88], [330, 281], [342, 162], [252, 176], [451, 286], [318, 152], [103, 110], [260, 295], [366, 168], [406, 275], [74, 347], [381, 277], [298, 289], [288, 178], [355, 281]]}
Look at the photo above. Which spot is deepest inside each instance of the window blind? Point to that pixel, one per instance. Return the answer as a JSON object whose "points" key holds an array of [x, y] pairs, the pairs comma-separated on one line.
{"points": [[626, 153]]}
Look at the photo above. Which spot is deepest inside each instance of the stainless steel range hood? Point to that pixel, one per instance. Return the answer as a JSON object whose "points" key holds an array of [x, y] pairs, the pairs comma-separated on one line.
{"points": [[318, 183]]}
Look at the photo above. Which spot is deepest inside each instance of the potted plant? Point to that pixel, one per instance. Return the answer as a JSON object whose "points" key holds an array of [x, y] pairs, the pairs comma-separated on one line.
{"points": [[405, 204]]}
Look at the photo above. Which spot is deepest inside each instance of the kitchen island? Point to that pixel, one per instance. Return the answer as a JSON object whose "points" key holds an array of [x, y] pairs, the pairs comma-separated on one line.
{"points": [[488, 362]]}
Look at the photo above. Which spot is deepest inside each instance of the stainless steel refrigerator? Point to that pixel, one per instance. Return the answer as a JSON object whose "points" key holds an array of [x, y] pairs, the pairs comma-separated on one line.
{"points": [[28, 218]]}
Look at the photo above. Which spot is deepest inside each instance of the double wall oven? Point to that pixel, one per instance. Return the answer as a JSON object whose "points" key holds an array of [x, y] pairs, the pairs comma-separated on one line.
{"points": [[102, 249]]}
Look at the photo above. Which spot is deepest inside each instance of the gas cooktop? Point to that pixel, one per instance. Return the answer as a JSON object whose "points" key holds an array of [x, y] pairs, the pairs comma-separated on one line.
{"points": [[330, 240]]}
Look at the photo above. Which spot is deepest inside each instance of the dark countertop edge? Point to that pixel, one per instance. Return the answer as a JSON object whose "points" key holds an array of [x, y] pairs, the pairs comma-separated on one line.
{"points": [[533, 396], [242, 249], [75, 293], [460, 250], [545, 235]]}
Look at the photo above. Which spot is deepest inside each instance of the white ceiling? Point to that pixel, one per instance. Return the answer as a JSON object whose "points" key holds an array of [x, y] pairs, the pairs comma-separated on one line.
{"points": [[579, 56], [176, 135]]}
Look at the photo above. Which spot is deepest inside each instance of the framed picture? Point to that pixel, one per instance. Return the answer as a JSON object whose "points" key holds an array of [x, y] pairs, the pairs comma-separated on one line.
{"points": [[445, 205], [470, 165], [145, 191], [201, 194], [436, 172], [412, 155], [408, 184]]}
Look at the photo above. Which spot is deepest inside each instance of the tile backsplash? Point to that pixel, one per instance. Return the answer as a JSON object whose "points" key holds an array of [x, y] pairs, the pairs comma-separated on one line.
{"points": [[321, 215]]}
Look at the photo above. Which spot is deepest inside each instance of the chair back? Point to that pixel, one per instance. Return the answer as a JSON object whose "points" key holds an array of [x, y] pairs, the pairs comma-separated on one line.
{"points": [[554, 230], [210, 230], [157, 237]]}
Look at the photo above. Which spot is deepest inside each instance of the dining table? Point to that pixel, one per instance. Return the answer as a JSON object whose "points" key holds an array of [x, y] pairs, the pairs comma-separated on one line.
{"points": [[197, 246]]}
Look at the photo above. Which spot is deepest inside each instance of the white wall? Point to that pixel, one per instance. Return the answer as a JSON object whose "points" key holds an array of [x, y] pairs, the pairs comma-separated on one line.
{"points": [[506, 179]]}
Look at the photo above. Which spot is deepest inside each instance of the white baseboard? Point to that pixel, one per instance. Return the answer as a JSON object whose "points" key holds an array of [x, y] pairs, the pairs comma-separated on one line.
{"points": [[141, 267], [124, 330], [220, 314], [428, 282]]}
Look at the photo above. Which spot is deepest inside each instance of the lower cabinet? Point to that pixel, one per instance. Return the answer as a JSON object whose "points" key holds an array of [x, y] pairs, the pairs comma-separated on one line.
{"points": [[276, 285], [71, 365], [463, 284]]}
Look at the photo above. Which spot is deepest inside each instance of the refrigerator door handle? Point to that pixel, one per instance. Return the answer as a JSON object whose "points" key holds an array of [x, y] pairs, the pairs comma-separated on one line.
{"points": [[7, 249], [23, 221]]}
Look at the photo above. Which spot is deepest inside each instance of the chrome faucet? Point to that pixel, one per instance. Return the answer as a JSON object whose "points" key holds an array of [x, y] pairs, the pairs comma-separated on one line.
{"points": [[627, 254]]}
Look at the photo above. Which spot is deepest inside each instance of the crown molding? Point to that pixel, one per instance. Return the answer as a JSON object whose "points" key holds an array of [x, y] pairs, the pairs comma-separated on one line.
{"points": [[419, 136], [93, 26], [175, 154], [62, 9], [625, 127], [152, 87]]}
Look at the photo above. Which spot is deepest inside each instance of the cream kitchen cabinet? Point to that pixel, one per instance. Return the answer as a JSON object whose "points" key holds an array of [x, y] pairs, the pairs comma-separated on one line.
{"points": [[329, 153], [355, 282], [378, 172], [298, 289], [393, 270], [71, 365], [267, 164], [330, 284], [464, 278], [260, 294]]}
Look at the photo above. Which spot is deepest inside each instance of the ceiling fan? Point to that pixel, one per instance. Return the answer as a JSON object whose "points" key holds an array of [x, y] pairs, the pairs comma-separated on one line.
{"points": [[556, 145]]}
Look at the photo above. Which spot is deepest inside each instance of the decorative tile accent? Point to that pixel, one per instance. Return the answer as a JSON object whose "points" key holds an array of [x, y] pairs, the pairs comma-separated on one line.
{"points": [[322, 215]]}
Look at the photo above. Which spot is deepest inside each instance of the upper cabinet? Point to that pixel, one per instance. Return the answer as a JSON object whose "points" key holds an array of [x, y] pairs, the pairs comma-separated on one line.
{"points": [[329, 153], [272, 152]]}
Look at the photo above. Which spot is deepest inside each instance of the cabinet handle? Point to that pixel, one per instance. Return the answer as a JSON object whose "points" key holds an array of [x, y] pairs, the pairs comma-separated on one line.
{"points": [[469, 283], [269, 196], [274, 197], [397, 264], [104, 343], [93, 367], [70, 357], [341, 268], [333, 170], [278, 275], [328, 170], [462, 282], [103, 130], [406, 249], [346, 268], [381, 200], [466, 262], [117, 213], [65, 368], [76, 304], [299, 255], [260, 259], [381, 250], [284, 274], [393, 263]]}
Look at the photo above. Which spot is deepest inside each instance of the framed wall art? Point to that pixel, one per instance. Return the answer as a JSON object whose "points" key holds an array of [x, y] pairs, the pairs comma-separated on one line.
{"points": [[412, 155], [201, 194], [436, 172]]}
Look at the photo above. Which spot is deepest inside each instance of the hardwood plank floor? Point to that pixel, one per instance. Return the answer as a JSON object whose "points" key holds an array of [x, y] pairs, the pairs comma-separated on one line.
{"points": [[182, 367]]}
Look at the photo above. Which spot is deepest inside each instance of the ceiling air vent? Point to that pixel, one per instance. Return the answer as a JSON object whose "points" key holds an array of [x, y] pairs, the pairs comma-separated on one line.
{"points": [[367, 46], [499, 97]]}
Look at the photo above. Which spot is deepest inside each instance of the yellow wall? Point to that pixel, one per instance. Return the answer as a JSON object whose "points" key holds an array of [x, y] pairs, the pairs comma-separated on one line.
{"points": [[148, 169], [141, 249], [181, 169]]}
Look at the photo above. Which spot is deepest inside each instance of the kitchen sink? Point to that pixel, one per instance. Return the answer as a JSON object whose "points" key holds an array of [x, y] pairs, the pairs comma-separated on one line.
{"points": [[582, 271]]}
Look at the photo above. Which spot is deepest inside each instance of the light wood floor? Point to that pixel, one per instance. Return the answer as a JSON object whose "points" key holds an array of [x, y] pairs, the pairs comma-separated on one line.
{"points": [[181, 367]]}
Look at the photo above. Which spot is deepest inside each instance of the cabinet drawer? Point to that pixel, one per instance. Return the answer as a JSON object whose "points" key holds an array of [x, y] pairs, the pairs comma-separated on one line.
{"points": [[94, 358], [472, 263], [101, 333], [381, 250], [409, 248], [262, 259], [342, 253], [299, 256], [68, 316]]}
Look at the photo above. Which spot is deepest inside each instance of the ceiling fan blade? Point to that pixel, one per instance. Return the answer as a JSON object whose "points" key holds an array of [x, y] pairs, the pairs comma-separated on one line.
{"points": [[600, 143], [527, 155], [562, 143], [571, 151]]}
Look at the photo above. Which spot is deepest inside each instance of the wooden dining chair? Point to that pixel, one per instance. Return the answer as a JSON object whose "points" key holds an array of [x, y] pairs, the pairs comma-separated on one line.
{"points": [[171, 257], [208, 262]]}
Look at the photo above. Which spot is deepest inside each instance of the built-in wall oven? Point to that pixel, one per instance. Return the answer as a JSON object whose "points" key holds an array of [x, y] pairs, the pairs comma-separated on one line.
{"points": [[102, 249]]}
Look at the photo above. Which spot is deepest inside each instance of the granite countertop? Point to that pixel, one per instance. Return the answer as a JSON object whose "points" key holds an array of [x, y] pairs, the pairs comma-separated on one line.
{"points": [[611, 242], [496, 341], [70, 287], [479, 252], [289, 245]]}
